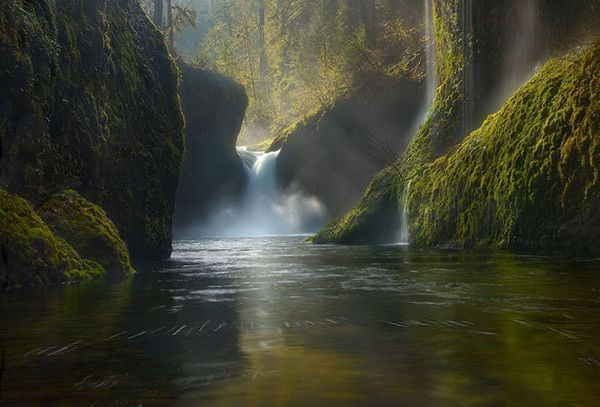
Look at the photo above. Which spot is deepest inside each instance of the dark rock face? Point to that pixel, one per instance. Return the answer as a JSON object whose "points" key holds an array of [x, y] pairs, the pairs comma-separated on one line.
{"points": [[334, 153], [214, 108], [88, 101]]}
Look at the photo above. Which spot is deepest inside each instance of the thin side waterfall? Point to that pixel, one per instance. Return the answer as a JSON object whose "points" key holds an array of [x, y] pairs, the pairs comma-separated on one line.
{"points": [[431, 83], [468, 73], [265, 210], [404, 236], [430, 67], [520, 59]]}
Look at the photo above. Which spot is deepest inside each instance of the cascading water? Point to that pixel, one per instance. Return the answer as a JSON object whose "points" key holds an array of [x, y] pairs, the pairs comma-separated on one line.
{"points": [[430, 67], [468, 110], [431, 80], [524, 51], [264, 210], [404, 236]]}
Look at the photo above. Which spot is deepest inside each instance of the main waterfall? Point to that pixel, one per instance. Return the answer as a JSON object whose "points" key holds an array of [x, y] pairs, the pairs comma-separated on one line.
{"points": [[264, 210]]}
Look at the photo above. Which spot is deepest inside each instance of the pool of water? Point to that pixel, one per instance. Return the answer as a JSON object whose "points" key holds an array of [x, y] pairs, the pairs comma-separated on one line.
{"points": [[276, 321]]}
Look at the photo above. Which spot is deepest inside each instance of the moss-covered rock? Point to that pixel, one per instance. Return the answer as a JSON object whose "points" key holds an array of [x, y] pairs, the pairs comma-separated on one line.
{"points": [[529, 177], [472, 44], [442, 129], [31, 253], [334, 152], [88, 101], [375, 219], [212, 172], [88, 229]]}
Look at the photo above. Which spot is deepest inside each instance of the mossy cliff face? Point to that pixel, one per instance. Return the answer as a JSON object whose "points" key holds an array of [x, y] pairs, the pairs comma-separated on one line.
{"points": [[212, 172], [442, 129], [529, 177], [88, 101], [86, 227], [31, 253], [333, 153], [467, 60]]}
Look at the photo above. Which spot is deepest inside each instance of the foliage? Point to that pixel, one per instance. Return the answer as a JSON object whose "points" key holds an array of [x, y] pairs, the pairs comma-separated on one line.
{"points": [[88, 229], [179, 16], [32, 253], [313, 52]]}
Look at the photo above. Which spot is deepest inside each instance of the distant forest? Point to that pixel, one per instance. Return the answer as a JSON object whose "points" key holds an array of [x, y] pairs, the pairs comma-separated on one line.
{"points": [[294, 56]]}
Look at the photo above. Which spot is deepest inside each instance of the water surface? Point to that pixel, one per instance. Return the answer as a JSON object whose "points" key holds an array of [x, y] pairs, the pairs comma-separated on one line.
{"points": [[276, 321]]}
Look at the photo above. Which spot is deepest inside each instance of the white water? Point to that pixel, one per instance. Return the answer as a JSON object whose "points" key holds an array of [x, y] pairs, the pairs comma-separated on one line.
{"points": [[264, 210], [431, 81], [404, 236], [431, 72], [522, 56], [468, 109]]}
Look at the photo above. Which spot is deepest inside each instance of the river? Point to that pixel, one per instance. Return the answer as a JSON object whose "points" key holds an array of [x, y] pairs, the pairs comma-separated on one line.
{"points": [[277, 321]]}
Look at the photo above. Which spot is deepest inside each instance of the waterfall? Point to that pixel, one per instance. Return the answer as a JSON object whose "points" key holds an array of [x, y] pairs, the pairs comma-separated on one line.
{"points": [[265, 210], [430, 59], [431, 81], [468, 68], [524, 51], [404, 236]]}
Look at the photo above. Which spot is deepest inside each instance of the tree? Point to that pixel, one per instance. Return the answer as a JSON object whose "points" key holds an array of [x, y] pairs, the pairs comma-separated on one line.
{"points": [[294, 56], [178, 15]]}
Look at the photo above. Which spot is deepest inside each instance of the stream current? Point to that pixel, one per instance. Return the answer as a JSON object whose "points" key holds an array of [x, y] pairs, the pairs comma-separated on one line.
{"points": [[277, 321]]}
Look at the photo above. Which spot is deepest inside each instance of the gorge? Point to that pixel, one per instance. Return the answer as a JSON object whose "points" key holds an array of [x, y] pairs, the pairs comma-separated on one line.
{"points": [[293, 202]]}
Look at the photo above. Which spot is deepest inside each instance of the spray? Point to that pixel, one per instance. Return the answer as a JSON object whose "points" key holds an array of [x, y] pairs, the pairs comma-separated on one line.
{"points": [[264, 209]]}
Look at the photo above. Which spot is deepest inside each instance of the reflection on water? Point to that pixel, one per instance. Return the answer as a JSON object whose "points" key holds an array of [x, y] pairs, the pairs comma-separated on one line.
{"points": [[278, 321]]}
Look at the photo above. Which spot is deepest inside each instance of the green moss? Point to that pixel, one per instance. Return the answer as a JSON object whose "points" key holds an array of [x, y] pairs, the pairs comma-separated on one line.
{"points": [[443, 128], [529, 177], [90, 103], [369, 221], [34, 254], [263, 145], [88, 229], [305, 122]]}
